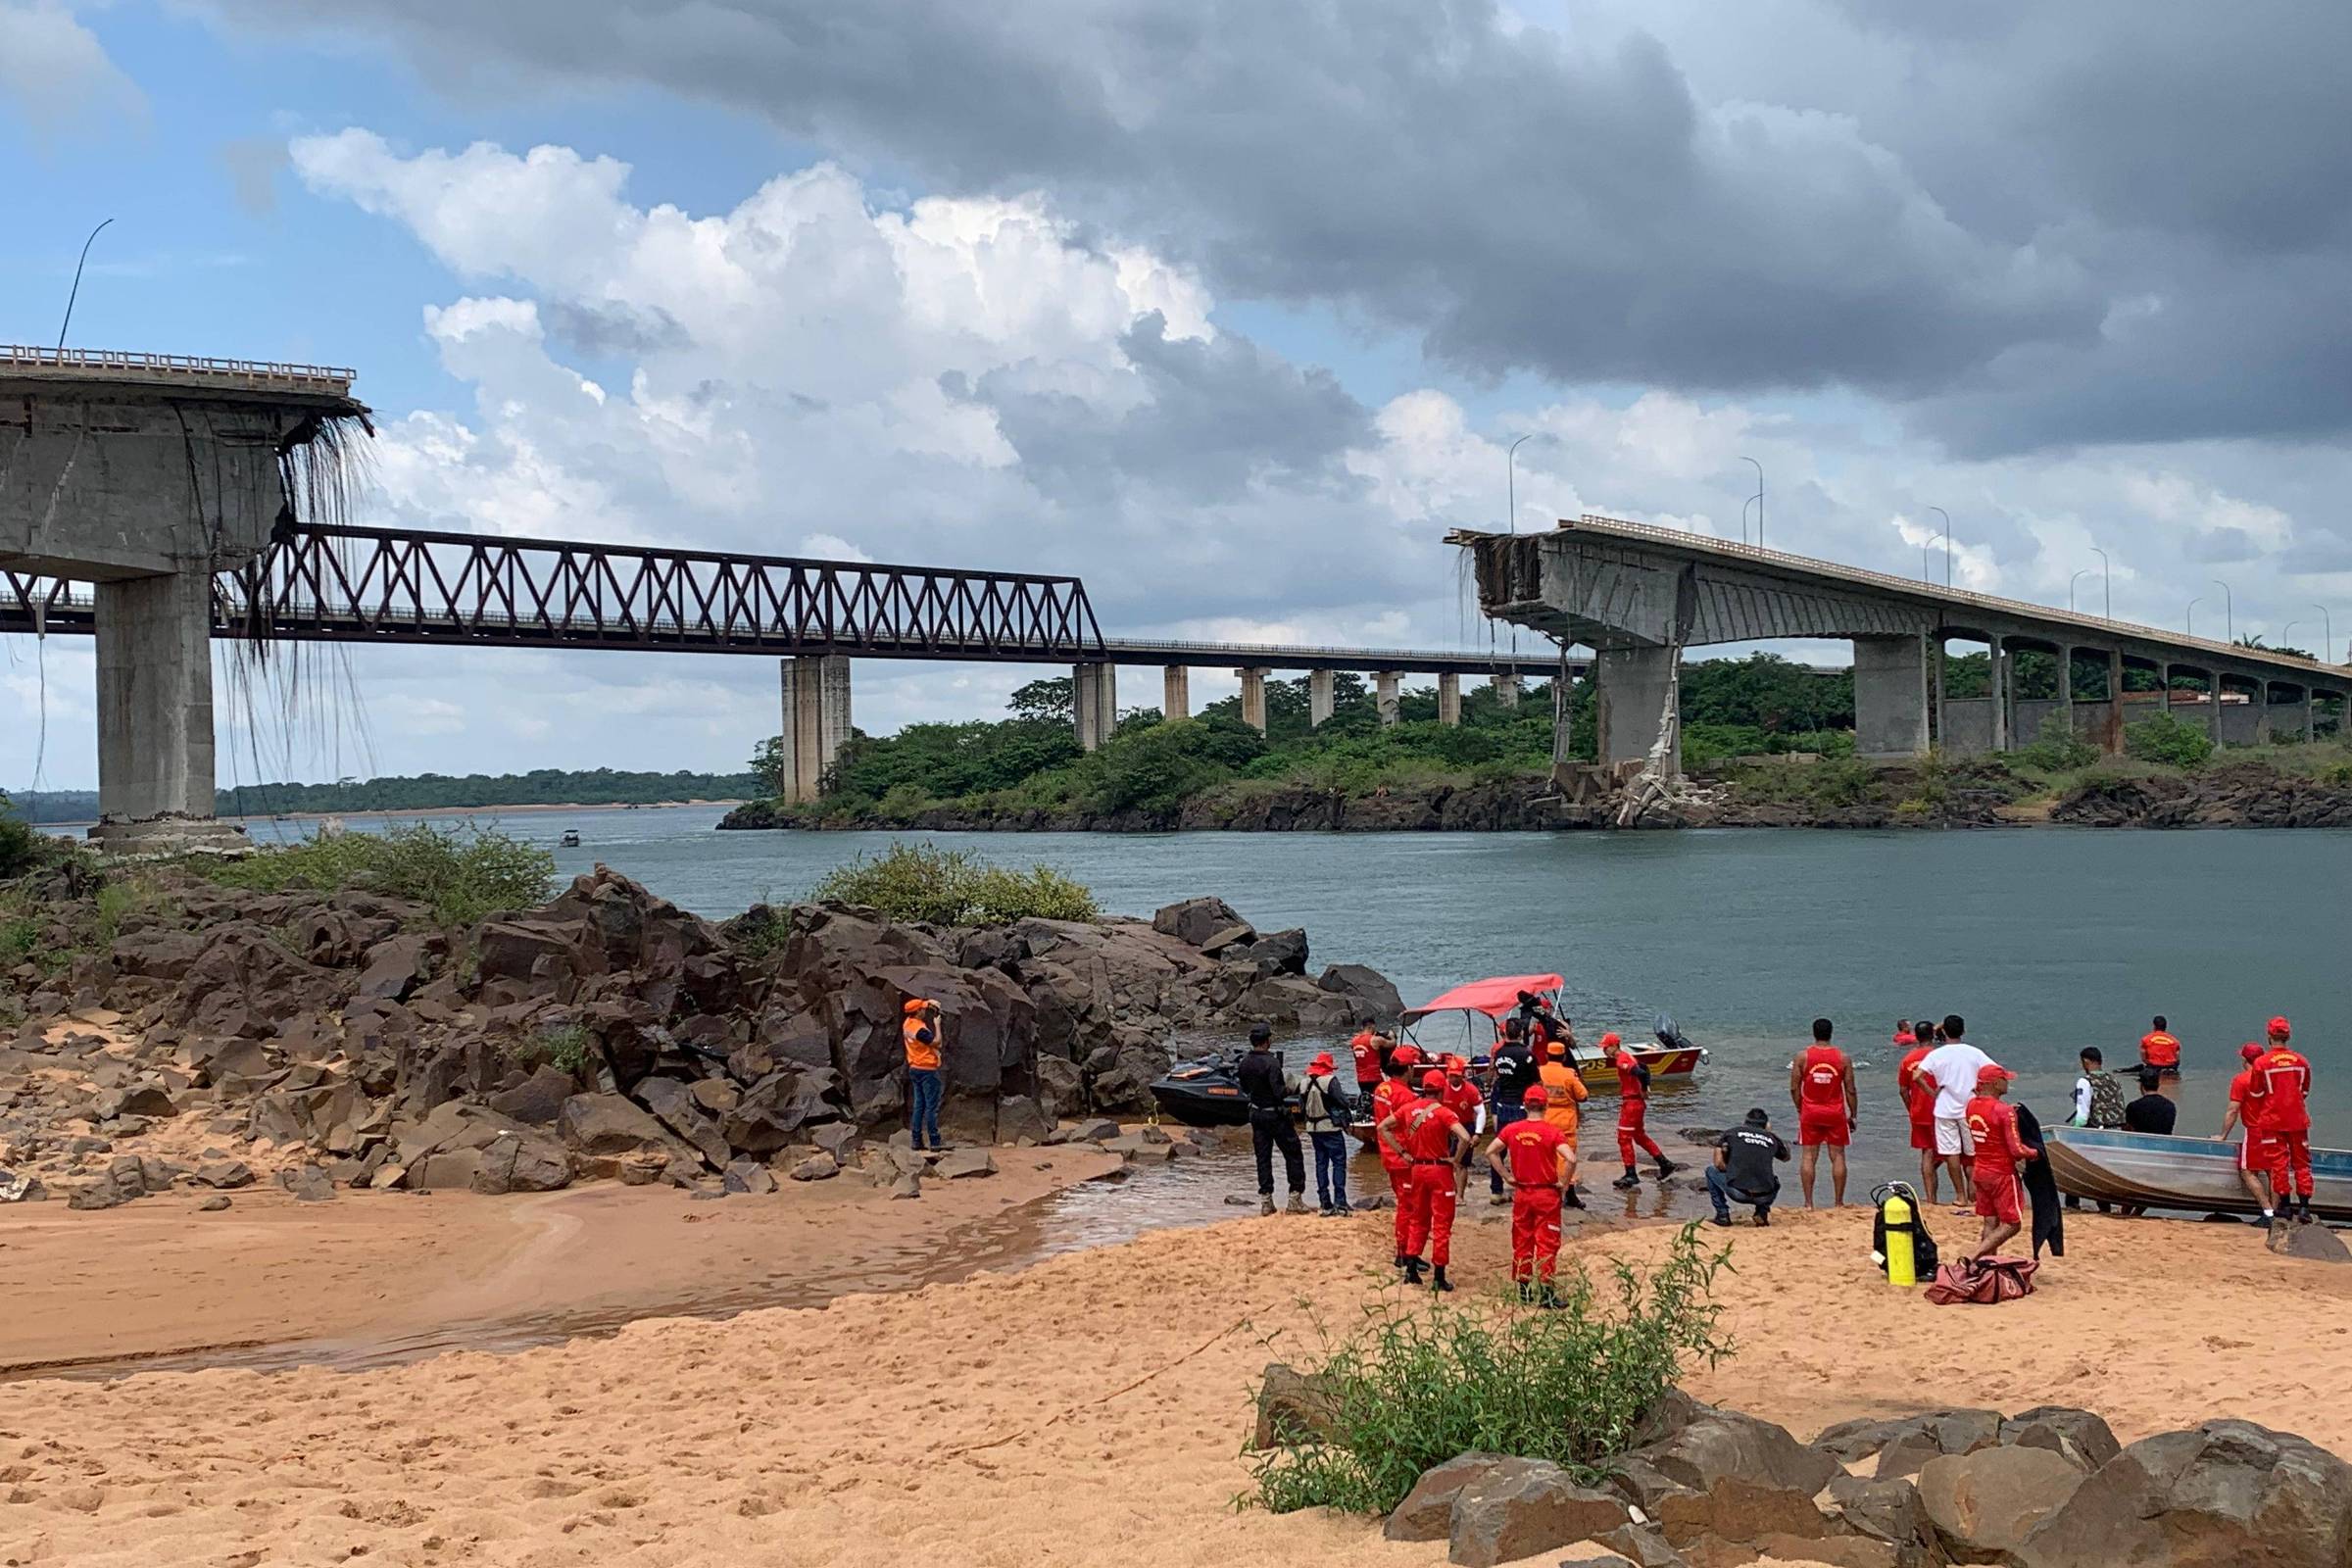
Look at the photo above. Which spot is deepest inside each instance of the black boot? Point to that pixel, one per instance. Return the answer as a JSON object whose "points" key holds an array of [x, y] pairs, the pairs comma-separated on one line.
{"points": [[1403, 1260], [1572, 1198], [1548, 1298], [1629, 1181], [2303, 1212], [1437, 1280], [1412, 1271], [1666, 1167]]}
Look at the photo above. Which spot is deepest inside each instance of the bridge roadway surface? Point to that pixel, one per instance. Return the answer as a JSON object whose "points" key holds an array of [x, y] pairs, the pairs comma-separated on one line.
{"points": [[345, 584]]}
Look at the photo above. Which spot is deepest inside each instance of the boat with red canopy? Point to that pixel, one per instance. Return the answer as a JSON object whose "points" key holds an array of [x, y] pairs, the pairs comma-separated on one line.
{"points": [[1670, 1057]]}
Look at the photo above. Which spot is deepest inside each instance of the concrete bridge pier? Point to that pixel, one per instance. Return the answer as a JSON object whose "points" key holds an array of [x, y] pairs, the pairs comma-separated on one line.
{"points": [[1507, 691], [1449, 698], [1890, 696], [154, 712], [1635, 692], [1094, 691], [1253, 698], [816, 721], [1175, 692], [1385, 684], [1321, 698]]}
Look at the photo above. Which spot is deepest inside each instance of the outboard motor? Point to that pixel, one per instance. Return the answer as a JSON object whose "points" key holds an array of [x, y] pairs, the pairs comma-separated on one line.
{"points": [[1669, 1036]]}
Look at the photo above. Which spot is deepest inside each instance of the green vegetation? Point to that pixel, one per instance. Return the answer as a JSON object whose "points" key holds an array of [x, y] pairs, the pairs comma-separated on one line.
{"points": [[463, 875], [437, 792], [1419, 1385], [2162, 738], [2058, 749], [20, 844], [568, 1048], [952, 887]]}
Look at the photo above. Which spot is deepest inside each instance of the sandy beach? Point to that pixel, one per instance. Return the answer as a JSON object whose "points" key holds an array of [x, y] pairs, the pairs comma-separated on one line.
{"points": [[1071, 1413]]}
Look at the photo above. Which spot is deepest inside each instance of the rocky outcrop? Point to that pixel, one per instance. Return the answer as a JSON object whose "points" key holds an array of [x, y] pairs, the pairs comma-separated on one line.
{"points": [[2229, 795], [2226, 1492], [609, 1034]]}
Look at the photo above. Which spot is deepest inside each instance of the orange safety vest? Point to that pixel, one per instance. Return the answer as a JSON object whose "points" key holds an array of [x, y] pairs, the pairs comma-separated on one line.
{"points": [[920, 1053]]}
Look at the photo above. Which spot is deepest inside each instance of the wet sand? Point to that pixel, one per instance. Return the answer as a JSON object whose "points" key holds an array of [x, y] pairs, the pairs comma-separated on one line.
{"points": [[378, 1276], [1080, 1412]]}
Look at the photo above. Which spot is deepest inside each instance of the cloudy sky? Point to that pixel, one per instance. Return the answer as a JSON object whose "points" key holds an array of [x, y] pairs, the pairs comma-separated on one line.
{"points": [[1232, 308]]}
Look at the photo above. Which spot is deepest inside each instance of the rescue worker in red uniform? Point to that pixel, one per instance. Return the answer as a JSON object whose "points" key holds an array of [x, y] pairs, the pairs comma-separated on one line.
{"points": [[1633, 1111], [1394, 1093], [1433, 1139], [2282, 1085], [1464, 1098], [2259, 1152], [2160, 1049], [1991, 1123], [1365, 1048], [1537, 1161]]}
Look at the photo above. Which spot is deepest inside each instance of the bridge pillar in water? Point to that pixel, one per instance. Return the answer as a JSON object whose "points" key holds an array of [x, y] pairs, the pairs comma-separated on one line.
{"points": [[816, 721], [1636, 690], [1253, 698], [1385, 700], [1175, 692], [1890, 696], [1321, 699], [1095, 693], [155, 710], [1506, 690], [1449, 698]]}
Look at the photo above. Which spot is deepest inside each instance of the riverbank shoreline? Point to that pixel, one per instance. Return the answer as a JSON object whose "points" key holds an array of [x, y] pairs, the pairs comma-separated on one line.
{"points": [[1058, 1415]]}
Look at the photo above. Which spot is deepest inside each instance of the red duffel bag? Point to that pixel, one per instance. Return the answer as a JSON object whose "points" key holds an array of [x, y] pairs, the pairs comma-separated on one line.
{"points": [[1983, 1279]]}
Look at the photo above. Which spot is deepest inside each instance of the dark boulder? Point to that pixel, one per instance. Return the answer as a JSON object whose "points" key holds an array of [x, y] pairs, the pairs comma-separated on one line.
{"points": [[308, 1184], [1902, 1443], [1984, 1505], [1197, 922], [610, 1124], [1728, 1475], [2080, 1436], [1370, 997], [1293, 1406], [522, 1162], [772, 1111], [2223, 1493], [396, 966], [1518, 1508], [1427, 1511], [537, 1101]]}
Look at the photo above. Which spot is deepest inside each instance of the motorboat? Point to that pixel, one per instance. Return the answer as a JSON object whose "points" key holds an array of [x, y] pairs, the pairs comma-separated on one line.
{"points": [[2198, 1174], [570, 839], [1669, 1055]]}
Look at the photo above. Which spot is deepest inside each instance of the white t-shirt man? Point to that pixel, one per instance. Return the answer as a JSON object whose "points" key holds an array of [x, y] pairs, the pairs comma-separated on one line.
{"points": [[1952, 1067]]}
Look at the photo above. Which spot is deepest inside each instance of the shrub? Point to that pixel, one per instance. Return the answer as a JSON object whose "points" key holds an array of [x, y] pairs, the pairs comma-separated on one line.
{"points": [[2058, 749], [952, 887], [568, 1048], [1419, 1384], [2162, 738], [463, 875], [19, 841]]}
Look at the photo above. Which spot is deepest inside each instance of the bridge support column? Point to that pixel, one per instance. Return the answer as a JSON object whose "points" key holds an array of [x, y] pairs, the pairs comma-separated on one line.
{"points": [[1449, 698], [816, 721], [1890, 696], [1384, 695], [1635, 692], [1999, 664], [1175, 692], [2112, 741], [1507, 691], [1320, 698], [1095, 692], [155, 715], [1253, 699]]}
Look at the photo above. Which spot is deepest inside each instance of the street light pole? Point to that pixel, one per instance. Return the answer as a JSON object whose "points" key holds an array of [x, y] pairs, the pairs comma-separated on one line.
{"points": [[1510, 464], [1759, 500], [2193, 614], [2106, 581], [2327, 632], [2069, 588], [1947, 543], [1743, 505], [2229, 612]]}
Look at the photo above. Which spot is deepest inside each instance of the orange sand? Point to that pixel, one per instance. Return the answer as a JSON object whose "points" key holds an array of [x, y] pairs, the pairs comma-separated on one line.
{"points": [[1086, 1411]]}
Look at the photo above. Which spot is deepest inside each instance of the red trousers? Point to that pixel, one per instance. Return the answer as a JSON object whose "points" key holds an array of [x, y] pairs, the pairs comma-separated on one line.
{"points": [[1631, 1114], [2294, 1154], [1535, 1234], [1428, 1211], [1400, 1188]]}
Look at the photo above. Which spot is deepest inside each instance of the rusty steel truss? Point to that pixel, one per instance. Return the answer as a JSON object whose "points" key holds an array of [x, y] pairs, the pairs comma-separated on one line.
{"points": [[333, 583]]}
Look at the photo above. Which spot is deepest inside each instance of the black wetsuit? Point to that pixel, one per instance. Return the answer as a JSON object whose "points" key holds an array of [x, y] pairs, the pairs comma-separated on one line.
{"points": [[1260, 1078]]}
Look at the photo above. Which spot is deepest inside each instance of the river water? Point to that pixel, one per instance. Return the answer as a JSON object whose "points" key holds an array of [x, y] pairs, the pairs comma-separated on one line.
{"points": [[2047, 939]]}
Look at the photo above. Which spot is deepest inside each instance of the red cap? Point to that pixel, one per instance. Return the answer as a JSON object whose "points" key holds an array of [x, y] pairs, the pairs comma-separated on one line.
{"points": [[1434, 1079], [1407, 1055], [1454, 1064], [2280, 1029], [1534, 1095], [1321, 1064], [1993, 1072]]}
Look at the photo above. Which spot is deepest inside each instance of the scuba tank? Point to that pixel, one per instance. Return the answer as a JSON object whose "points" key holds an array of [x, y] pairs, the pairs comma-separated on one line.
{"points": [[1899, 1242]]}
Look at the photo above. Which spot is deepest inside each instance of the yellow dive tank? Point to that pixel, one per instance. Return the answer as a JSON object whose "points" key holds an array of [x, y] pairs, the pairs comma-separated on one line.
{"points": [[1898, 1224]]}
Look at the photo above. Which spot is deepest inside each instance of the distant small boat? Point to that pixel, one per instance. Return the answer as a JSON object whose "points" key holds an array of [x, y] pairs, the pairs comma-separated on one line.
{"points": [[570, 839], [2190, 1173]]}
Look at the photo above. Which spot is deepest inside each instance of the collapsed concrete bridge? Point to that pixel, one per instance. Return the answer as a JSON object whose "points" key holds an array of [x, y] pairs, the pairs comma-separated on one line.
{"points": [[1638, 595]]}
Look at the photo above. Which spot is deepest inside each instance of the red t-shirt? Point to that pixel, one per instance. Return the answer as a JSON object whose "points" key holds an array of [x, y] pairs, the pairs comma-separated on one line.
{"points": [[1629, 1087], [1822, 1072], [2160, 1049], [1904, 1037], [1993, 1124], [1392, 1099], [2248, 1101], [1918, 1098], [1367, 1059], [1463, 1100], [1426, 1129], [2282, 1078], [1532, 1150]]}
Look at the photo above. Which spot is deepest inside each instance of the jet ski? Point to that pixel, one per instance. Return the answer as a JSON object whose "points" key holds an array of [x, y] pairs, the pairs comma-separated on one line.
{"points": [[1205, 1093]]}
